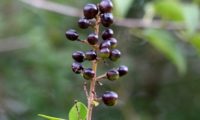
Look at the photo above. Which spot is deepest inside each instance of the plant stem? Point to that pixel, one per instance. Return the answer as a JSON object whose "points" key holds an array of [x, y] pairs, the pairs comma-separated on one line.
{"points": [[92, 92], [92, 95]]}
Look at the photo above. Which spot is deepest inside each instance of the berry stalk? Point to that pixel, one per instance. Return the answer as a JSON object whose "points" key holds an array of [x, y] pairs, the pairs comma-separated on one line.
{"points": [[93, 81]]}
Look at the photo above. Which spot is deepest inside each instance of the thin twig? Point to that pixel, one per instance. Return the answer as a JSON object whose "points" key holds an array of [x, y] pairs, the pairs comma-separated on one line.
{"points": [[85, 89], [129, 23], [100, 77]]}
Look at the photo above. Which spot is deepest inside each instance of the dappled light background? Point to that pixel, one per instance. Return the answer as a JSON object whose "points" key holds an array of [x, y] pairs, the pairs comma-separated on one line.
{"points": [[159, 40]]}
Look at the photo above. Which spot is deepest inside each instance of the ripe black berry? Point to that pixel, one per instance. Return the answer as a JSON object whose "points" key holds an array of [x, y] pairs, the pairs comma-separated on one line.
{"points": [[88, 73], [90, 55], [90, 11], [123, 70], [83, 23], [113, 42], [77, 67], [112, 75], [78, 56], [92, 38], [105, 44], [110, 98], [106, 19], [104, 53], [108, 33], [71, 34], [115, 55], [105, 6]]}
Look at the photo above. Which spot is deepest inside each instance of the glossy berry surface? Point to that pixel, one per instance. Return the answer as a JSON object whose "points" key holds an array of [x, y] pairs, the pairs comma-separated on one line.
{"points": [[91, 55], [106, 19], [77, 67], [83, 23], [90, 11], [78, 56], [105, 44], [113, 42], [92, 39], [105, 6], [88, 73], [109, 98], [71, 35], [115, 55], [112, 75], [104, 53], [107, 33], [123, 70]]}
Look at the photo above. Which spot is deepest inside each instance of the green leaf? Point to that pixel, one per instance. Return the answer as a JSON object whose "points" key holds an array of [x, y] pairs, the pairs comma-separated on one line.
{"points": [[166, 44], [122, 7], [49, 117], [78, 112], [195, 41], [169, 10], [191, 15]]}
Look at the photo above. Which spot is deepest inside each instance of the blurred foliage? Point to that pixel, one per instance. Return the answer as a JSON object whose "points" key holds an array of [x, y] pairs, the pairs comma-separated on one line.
{"points": [[38, 78]]}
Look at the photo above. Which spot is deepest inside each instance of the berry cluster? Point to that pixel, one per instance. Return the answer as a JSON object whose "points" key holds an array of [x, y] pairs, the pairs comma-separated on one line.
{"points": [[102, 48]]}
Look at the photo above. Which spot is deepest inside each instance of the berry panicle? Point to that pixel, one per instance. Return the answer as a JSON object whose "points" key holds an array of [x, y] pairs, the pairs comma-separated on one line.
{"points": [[101, 48]]}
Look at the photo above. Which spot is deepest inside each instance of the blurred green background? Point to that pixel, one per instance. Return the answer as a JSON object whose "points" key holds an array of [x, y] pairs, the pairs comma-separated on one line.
{"points": [[164, 65]]}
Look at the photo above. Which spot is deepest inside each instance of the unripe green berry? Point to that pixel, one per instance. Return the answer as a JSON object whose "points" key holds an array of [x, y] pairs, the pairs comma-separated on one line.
{"points": [[88, 73], [112, 75], [113, 42], [91, 55], [104, 53], [105, 44], [115, 55]]}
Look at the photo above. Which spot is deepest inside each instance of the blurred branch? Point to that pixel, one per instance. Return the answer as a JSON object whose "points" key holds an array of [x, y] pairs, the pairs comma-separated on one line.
{"points": [[130, 23], [11, 44], [54, 7]]}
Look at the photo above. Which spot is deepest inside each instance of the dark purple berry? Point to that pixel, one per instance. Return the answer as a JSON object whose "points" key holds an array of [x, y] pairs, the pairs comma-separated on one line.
{"points": [[77, 67], [104, 53], [91, 55], [109, 98], [105, 44], [106, 19], [123, 70], [78, 56], [113, 42], [71, 34], [83, 23], [108, 33], [88, 73], [115, 55], [105, 6], [90, 11], [92, 39], [112, 75]]}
